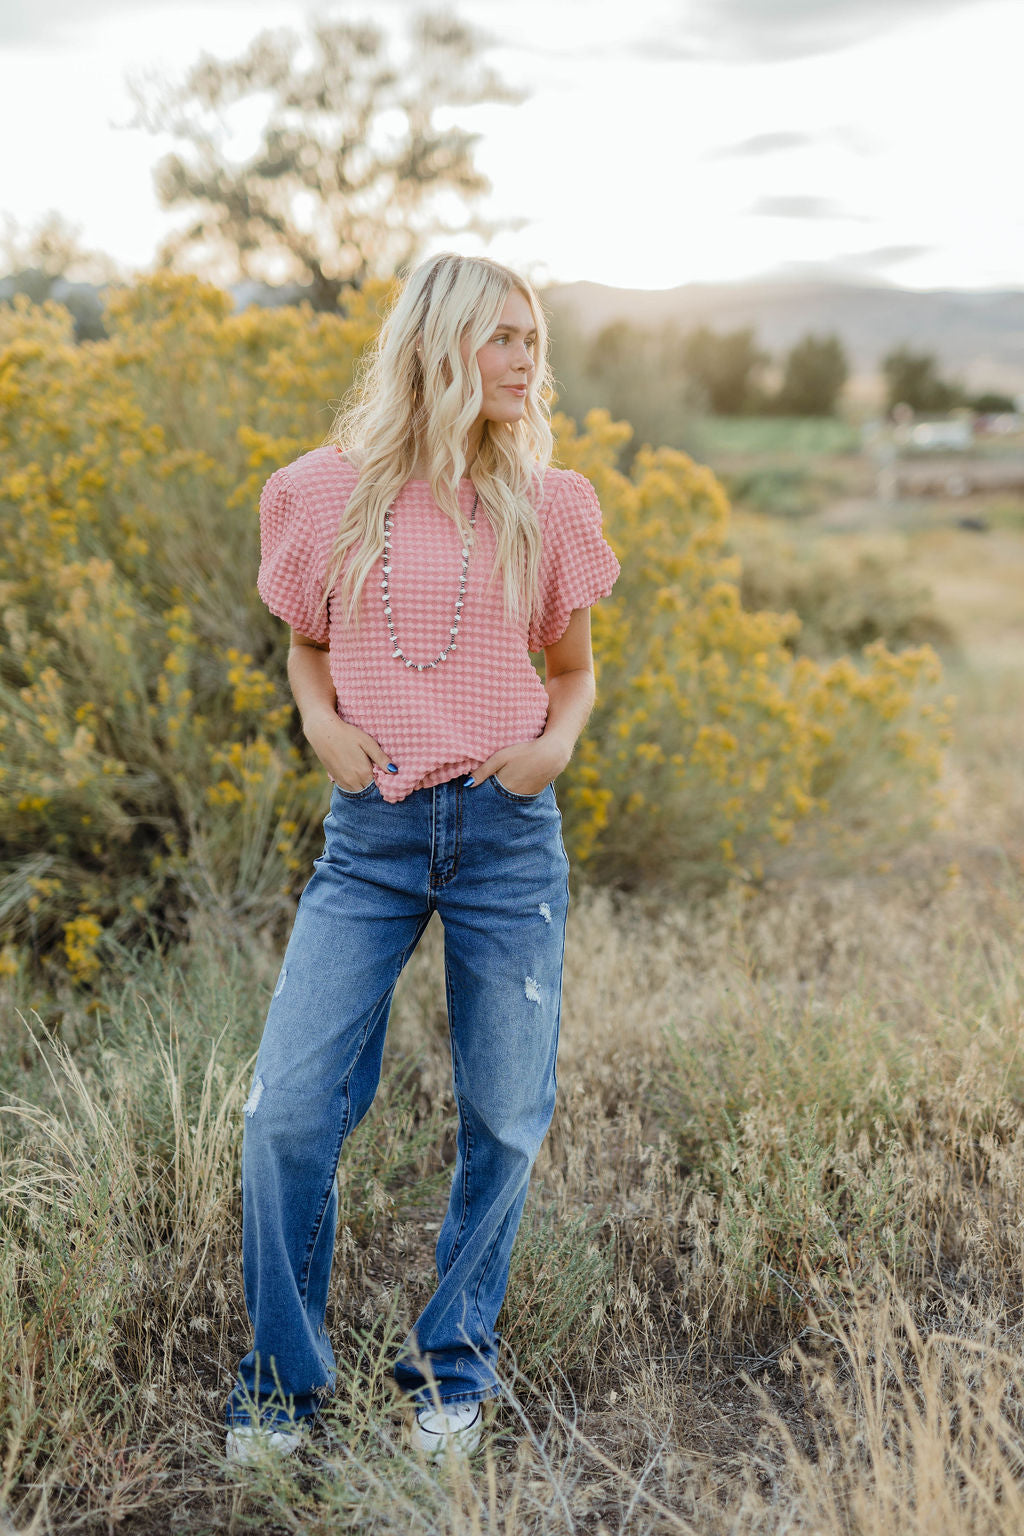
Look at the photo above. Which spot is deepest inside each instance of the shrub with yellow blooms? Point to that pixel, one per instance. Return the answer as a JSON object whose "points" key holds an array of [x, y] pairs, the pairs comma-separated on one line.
{"points": [[151, 764], [711, 753], [150, 761]]}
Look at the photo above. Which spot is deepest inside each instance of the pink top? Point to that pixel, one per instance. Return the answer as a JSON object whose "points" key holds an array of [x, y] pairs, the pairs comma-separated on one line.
{"points": [[486, 694]]}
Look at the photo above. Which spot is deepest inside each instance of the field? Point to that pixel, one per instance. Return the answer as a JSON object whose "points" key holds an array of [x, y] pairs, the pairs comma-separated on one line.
{"points": [[771, 1274]]}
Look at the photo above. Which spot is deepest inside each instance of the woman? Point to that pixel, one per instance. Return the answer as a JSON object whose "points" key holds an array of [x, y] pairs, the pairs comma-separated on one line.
{"points": [[419, 556]]}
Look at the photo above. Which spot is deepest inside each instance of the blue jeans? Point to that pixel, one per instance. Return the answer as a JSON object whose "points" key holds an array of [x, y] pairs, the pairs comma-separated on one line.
{"points": [[493, 864]]}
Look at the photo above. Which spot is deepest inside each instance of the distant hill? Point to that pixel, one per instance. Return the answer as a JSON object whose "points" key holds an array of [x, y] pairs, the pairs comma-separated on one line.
{"points": [[978, 337]]}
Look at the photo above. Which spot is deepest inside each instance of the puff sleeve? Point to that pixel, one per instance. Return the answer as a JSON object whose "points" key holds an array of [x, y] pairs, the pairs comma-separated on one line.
{"points": [[578, 565], [289, 564]]}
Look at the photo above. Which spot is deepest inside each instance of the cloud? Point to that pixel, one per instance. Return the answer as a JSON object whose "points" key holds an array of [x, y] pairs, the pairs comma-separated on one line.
{"points": [[785, 140], [762, 144], [742, 32], [731, 31], [62, 23], [863, 266], [798, 206], [883, 256]]}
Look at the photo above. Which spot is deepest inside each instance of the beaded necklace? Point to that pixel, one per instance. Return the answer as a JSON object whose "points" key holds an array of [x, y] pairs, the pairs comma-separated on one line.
{"points": [[422, 666], [397, 652]]}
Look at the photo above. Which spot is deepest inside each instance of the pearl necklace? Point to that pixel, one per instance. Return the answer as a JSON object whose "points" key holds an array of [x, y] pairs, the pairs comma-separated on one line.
{"points": [[422, 666]]}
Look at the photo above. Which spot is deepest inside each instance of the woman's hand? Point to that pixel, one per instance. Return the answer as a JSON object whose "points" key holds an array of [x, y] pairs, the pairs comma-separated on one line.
{"points": [[345, 751], [525, 767]]}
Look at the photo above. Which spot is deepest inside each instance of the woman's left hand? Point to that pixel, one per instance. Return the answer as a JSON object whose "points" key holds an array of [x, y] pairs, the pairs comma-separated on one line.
{"points": [[525, 767]]}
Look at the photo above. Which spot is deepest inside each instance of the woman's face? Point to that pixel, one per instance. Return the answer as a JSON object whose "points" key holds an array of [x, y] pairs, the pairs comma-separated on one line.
{"points": [[506, 361]]}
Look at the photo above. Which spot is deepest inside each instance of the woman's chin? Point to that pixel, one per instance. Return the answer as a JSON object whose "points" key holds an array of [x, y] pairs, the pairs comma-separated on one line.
{"points": [[509, 413]]}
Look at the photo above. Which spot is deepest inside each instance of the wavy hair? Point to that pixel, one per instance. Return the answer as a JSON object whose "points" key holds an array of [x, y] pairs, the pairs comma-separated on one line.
{"points": [[401, 409]]}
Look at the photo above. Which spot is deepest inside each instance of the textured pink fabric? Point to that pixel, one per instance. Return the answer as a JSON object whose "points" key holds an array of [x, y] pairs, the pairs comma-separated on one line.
{"points": [[443, 721]]}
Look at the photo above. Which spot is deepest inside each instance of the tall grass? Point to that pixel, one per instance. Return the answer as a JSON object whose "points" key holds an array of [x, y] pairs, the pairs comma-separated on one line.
{"points": [[769, 1277]]}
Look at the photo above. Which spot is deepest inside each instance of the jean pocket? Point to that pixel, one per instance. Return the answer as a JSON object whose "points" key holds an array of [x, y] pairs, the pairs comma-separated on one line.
{"points": [[511, 794], [355, 794]]}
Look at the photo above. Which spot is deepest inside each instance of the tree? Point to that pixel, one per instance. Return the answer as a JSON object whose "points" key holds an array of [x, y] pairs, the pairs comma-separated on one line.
{"points": [[634, 373], [991, 402], [912, 378], [815, 372], [49, 262], [350, 163], [618, 361], [724, 366]]}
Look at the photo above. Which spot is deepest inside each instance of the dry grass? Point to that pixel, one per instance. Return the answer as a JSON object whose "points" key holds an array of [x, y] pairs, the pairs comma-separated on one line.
{"points": [[771, 1277]]}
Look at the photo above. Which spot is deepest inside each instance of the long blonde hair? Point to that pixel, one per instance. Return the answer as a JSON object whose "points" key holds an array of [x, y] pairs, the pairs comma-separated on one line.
{"points": [[402, 408]]}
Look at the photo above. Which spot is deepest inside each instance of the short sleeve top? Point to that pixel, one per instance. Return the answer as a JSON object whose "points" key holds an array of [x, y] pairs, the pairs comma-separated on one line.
{"points": [[441, 722]]}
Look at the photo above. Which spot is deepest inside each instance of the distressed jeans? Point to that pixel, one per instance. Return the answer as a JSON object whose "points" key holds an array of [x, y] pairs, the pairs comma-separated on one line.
{"points": [[493, 865]]}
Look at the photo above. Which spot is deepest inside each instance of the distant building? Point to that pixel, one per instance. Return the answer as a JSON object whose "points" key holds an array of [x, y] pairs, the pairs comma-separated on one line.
{"points": [[955, 433], [935, 457], [999, 424]]}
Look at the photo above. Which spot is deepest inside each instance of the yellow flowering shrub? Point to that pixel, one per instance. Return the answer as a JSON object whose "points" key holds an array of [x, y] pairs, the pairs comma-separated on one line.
{"points": [[149, 761], [81, 937], [150, 758], [711, 752]]}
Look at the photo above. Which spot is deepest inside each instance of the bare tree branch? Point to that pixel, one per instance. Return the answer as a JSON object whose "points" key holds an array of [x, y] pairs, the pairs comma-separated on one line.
{"points": [[351, 163]]}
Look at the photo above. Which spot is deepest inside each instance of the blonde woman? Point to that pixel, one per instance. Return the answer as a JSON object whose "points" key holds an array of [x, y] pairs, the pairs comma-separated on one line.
{"points": [[418, 557]]}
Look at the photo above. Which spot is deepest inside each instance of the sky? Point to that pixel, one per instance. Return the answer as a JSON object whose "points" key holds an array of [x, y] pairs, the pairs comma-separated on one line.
{"points": [[660, 142]]}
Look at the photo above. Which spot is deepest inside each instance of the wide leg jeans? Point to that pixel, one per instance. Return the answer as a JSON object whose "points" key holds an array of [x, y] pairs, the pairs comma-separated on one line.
{"points": [[493, 864]]}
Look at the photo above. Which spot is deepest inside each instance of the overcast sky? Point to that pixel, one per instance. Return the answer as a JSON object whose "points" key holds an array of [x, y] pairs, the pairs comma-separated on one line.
{"points": [[661, 142]]}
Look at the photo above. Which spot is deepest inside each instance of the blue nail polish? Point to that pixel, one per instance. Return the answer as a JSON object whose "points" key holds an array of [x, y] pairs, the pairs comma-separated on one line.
{"points": [[469, 781], [392, 768]]}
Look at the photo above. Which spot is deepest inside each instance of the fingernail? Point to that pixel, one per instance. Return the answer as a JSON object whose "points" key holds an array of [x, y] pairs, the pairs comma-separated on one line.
{"points": [[392, 768], [470, 781]]}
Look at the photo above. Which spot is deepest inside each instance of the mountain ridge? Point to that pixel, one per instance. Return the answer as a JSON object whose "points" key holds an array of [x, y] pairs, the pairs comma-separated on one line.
{"points": [[977, 334]]}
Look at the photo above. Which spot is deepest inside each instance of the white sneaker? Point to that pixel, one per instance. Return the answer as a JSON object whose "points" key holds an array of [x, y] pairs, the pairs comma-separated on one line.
{"points": [[457, 1425], [248, 1443]]}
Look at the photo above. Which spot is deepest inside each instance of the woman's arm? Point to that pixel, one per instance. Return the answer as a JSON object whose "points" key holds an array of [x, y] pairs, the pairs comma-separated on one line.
{"points": [[527, 766], [309, 674], [569, 680], [345, 751]]}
